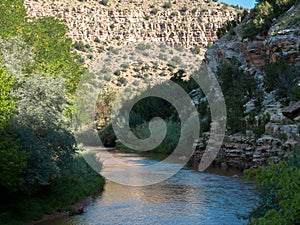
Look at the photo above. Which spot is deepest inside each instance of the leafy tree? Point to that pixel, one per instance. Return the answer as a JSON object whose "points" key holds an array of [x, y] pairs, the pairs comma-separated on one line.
{"points": [[52, 50], [261, 21], [42, 128]]}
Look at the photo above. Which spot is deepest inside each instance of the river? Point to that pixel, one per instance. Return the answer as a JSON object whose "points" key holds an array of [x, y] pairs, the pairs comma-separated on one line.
{"points": [[189, 197]]}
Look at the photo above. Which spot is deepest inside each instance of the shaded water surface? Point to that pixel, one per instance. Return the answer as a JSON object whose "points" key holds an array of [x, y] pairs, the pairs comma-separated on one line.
{"points": [[189, 197]]}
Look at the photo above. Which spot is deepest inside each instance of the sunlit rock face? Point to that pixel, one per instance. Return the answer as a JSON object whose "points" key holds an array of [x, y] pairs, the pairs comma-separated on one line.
{"points": [[184, 23]]}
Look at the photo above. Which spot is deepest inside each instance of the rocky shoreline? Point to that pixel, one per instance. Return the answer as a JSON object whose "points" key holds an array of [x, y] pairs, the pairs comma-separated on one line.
{"points": [[242, 152]]}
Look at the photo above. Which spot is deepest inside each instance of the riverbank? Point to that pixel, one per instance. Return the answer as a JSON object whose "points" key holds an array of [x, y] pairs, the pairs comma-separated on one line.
{"points": [[78, 208], [63, 197]]}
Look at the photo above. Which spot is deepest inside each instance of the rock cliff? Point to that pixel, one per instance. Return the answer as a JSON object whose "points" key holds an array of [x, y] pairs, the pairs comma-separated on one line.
{"points": [[282, 132], [115, 23]]}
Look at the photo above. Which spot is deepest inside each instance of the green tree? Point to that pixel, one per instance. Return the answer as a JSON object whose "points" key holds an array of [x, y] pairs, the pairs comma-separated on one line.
{"points": [[282, 77], [238, 87], [263, 15], [42, 129]]}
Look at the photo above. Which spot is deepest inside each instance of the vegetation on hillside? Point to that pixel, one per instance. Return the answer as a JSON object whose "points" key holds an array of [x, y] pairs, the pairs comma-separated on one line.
{"points": [[238, 88], [282, 78], [38, 78], [265, 13]]}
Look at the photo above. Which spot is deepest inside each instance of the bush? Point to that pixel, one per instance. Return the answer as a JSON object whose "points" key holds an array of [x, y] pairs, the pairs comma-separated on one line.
{"points": [[143, 46], [107, 136], [196, 49], [258, 125], [170, 141], [167, 5], [184, 9], [59, 195], [154, 11], [112, 26], [104, 2], [97, 40], [194, 11], [228, 27], [278, 187], [261, 22], [122, 80], [79, 46]]}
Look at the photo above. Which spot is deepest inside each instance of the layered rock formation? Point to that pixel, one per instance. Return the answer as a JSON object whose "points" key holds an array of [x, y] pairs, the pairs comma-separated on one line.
{"points": [[244, 152], [183, 23]]}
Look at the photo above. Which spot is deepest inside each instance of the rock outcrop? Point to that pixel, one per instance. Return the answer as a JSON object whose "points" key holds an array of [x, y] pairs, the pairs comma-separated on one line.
{"points": [[244, 152], [253, 54], [293, 111]]}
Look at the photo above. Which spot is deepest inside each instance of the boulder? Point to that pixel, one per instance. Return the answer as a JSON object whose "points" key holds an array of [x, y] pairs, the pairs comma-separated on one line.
{"points": [[292, 111]]}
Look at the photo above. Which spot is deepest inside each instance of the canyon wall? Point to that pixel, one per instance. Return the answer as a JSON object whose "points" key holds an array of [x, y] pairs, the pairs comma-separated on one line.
{"points": [[185, 23]]}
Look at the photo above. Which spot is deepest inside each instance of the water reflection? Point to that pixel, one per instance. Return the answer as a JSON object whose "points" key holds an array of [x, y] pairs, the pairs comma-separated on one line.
{"points": [[189, 197]]}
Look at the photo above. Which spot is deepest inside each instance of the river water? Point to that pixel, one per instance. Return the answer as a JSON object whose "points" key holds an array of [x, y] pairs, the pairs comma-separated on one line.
{"points": [[189, 197]]}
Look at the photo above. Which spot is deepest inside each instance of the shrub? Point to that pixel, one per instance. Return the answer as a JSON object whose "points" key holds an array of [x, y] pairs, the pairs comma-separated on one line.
{"points": [[13, 162], [112, 26], [258, 125], [154, 11], [261, 22], [196, 49], [104, 2], [263, 15], [228, 27], [170, 141], [117, 72], [79, 46], [174, 14], [184, 9], [278, 187], [122, 80], [167, 5], [194, 10], [97, 40], [143, 46]]}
